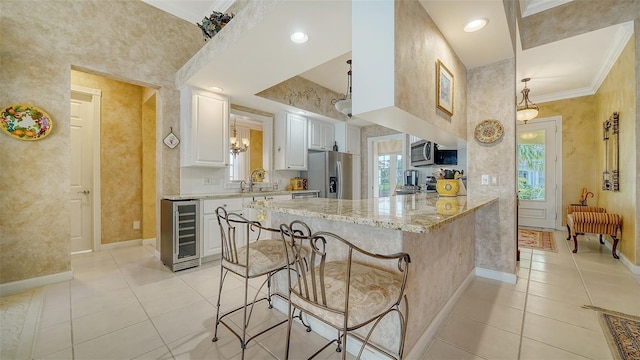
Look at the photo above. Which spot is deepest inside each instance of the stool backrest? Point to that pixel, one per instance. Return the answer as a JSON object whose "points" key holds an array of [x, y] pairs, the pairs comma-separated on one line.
{"points": [[307, 275], [237, 231]]}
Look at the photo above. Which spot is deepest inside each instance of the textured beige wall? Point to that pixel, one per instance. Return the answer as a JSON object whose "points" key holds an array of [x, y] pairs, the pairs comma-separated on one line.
{"points": [[126, 40], [575, 18], [491, 90], [617, 93], [581, 132], [120, 155], [306, 95], [419, 44], [149, 168]]}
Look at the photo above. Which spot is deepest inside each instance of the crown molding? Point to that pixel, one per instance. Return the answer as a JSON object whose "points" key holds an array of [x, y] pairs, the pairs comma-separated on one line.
{"points": [[535, 6], [562, 95], [619, 42]]}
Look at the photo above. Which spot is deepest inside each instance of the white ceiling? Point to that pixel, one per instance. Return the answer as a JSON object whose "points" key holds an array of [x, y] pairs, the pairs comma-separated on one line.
{"points": [[569, 68]]}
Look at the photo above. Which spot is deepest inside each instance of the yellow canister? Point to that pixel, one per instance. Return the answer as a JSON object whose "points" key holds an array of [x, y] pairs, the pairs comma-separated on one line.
{"points": [[296, 183], [447, 187]]}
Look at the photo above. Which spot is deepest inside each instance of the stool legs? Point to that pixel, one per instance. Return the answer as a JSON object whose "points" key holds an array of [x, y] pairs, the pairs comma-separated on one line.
{"points": [[613, 248], [568, 232]]}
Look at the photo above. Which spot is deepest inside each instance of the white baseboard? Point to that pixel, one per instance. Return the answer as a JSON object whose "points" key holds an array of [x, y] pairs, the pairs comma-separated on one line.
{"points": [[423, 343], [150, 242], [635, 269], [496, 275], [121, 244], [21, 285]]}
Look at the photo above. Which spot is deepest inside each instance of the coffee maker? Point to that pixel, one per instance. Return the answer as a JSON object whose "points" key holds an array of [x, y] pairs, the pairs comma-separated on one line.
{"points": [[411, 178]]}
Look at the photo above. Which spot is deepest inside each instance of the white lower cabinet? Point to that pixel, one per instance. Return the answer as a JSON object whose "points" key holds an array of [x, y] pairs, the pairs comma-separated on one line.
{"points": [[211, 240]]}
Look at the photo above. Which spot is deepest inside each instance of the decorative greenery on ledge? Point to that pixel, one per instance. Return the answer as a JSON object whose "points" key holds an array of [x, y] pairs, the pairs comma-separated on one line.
{"points": [[214, 23]]}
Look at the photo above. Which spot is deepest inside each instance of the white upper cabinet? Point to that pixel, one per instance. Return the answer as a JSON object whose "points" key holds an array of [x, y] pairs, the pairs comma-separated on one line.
{"points": [[348, 138], [204, 120], [290, 142], [321, 135]]}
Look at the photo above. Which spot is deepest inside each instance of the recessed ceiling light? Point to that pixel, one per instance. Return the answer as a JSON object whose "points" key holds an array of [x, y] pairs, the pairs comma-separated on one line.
{"points": [[299, 37], [216, 88], [476, 25], [301, 112]]}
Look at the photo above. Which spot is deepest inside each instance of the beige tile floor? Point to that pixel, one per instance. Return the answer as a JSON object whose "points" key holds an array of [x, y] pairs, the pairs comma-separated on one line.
{"points": [[540, 317], [124, 304]]}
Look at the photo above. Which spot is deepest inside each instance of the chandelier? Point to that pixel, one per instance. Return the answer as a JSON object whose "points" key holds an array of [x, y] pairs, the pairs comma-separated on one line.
{"points": [[343, 104], [235, 147], [527, 110]]}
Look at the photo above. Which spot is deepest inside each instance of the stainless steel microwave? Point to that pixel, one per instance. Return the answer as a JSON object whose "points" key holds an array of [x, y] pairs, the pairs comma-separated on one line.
{"points": [[422, 153]]}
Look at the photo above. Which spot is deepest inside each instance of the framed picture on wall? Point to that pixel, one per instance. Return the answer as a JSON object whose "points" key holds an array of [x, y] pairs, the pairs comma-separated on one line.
{"points": [[444, 88]]}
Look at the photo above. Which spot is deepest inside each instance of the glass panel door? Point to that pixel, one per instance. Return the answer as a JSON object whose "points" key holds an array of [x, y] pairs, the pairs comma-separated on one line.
{"points": [[536, 157], [389, 173]]}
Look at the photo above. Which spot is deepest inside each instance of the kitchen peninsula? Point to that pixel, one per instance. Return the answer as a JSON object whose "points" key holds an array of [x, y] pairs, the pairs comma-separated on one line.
{"points": [[440, 234]]}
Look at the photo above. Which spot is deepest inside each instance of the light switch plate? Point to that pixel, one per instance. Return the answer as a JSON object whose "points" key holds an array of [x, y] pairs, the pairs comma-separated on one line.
{"points": [[484, 180]]}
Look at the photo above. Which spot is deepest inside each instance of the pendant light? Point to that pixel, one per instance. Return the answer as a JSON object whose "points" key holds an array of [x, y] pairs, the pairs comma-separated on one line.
{"points": [[343, 104], [235, 146], [527, 110]]}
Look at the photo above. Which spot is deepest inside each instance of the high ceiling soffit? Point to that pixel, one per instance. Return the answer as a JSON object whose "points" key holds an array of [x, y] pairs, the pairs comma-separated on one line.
{"points": [[574, 66]]}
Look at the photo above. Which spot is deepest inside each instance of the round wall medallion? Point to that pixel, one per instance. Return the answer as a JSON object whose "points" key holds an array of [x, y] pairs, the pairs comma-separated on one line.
{"points": [[488, 131], [25, 122]]}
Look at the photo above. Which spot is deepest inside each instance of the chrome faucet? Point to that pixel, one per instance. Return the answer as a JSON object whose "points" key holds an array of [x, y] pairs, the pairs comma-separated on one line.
{"points": [[252, 176]]}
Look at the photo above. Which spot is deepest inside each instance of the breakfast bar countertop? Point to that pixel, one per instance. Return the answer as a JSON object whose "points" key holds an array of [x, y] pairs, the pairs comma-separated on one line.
{"points": [[246, 194], [419, 213]]}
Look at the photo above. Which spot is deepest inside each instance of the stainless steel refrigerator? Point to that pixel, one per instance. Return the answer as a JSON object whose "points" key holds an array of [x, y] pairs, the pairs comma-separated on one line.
{"points": [[331, 172]]}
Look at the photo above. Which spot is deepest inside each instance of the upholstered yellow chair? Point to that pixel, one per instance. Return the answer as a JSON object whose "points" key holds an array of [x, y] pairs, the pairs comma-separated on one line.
{"points": [[337, 284], [594, 222]]}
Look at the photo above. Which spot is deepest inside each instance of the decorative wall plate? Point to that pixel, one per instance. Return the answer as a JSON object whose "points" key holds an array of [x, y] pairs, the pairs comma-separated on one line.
{"points": [[171, 140], [25, 122], [488, 131]]}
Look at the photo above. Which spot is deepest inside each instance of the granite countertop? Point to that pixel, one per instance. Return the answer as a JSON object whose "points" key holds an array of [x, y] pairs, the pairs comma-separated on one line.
{"points": [[419, 213], [230, 195]]}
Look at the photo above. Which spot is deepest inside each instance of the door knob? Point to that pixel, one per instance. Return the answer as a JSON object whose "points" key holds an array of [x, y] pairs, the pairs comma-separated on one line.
{"points": [[86, 192]]}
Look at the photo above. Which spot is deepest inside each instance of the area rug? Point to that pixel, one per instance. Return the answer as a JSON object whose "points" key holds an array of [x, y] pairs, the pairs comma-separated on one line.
{"points": [[536, 239], [622, 332]]}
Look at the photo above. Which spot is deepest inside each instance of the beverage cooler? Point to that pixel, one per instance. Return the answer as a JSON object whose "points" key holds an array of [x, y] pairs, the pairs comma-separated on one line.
{"points": [[179, 234]]}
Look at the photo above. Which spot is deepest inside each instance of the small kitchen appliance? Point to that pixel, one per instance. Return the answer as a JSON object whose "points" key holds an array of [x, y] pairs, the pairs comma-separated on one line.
{"points": [[411, 177]]}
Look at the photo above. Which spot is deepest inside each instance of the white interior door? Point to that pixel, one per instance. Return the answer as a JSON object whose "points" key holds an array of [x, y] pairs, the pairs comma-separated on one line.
{"points": [[81, 182], [538, 173]]}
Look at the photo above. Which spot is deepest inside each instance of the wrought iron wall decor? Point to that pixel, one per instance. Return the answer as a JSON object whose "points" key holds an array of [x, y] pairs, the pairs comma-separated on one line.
{"points": [[610, 136]]}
